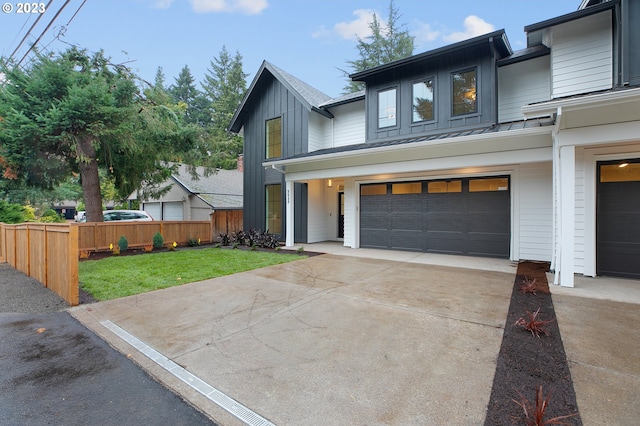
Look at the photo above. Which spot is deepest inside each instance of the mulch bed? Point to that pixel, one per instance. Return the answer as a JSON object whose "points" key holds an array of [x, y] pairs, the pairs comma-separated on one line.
{"points": [[526, 362]]}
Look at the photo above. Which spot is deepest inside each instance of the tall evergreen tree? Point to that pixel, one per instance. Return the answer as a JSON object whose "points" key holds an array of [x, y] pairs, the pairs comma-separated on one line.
{"points": [[386, 44], [189, 99], [158, 82], [225, 85], [77, 112]]}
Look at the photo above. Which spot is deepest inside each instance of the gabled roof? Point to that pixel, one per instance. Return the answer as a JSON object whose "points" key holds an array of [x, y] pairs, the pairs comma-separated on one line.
{"points": [[221, 190], [310, 97], [499, 38]]}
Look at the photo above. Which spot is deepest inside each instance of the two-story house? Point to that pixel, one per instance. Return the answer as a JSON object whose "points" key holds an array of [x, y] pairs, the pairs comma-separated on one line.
{"points": [[469, 149]]}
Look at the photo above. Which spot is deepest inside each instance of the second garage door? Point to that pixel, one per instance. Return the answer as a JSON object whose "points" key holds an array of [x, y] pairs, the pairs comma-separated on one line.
{"points": [[469, 216]]}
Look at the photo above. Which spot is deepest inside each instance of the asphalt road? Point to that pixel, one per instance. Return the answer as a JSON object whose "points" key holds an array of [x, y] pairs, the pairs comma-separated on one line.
{"points": [[56, 371]]}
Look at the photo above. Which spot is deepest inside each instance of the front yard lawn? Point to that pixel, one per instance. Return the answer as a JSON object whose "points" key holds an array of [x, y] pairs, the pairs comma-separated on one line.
{"points": [[116, 276]]}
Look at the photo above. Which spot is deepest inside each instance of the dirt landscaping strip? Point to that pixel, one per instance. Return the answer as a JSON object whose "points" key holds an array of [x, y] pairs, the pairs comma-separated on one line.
{"points": [[527, 361]]}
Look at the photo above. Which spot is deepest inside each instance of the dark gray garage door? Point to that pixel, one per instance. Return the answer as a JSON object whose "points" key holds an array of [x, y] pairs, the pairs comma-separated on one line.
{"points": [[618, 219], [468, 216]]}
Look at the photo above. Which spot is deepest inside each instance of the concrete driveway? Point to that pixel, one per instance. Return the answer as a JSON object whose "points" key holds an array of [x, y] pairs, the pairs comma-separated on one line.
{"points": [[327, 340]]}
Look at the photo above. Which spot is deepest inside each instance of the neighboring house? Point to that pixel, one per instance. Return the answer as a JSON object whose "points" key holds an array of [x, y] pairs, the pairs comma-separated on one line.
{"points": [[469, 149], [196, 199]]}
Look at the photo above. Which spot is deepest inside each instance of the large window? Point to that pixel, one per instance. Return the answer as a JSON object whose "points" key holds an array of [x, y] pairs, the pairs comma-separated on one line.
{"points": [[423, 101], [387, 108], [464, 92], [273, 196], [273, 138]]}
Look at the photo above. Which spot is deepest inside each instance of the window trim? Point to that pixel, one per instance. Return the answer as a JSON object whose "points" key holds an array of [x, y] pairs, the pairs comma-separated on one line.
{"points": [[477, 96], [378, 92], [266, 139], [434, 109]]}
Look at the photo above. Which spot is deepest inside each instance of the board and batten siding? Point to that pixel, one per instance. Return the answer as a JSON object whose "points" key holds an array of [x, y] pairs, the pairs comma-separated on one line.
{"points": [[536, 211], [582, 56], [521, 84], [274, 100]]}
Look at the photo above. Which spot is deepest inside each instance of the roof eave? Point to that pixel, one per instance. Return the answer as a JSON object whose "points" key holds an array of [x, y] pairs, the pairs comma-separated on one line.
{"points": [[587, 101], [500, 35], [591, 10], [428, 143]]}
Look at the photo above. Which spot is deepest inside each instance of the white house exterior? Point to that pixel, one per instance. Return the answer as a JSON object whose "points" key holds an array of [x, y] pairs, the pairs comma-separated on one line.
{"points": [[538, 158]]}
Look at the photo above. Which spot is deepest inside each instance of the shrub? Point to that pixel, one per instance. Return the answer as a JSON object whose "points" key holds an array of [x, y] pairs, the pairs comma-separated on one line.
{"points": [[123, 244], [534, 414], [532, 324], [158, 241], [11, 213], [529, 286], [51, 216], [225, 239], [193, 242]]}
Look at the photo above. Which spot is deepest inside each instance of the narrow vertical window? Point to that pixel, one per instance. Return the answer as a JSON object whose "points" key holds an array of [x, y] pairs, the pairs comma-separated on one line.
{"points": [[273, 208], [423, 101], [387, 108], [464, 92], [273, 138]]}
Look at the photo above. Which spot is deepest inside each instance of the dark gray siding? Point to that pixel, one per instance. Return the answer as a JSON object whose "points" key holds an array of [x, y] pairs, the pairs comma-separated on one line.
{"points": [[480, 58], [631, 42], [272, 99]]}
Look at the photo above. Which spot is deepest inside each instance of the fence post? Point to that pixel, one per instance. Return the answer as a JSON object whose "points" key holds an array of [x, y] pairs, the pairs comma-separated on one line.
{"points": [[72, 266]]}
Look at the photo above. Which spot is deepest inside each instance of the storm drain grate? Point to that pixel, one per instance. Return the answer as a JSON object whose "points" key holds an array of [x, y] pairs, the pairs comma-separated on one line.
{"points": [[225, 402]]}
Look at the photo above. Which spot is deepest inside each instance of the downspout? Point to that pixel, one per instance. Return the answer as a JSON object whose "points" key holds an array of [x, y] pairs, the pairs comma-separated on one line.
{"points": [[556, 251]]}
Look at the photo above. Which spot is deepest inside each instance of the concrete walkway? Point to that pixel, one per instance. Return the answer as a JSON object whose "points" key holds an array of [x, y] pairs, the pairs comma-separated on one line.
{"points": [[389, 338]]}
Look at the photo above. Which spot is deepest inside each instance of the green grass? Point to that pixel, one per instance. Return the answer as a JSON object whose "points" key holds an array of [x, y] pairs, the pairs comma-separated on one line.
{"points": [[115, 277]]}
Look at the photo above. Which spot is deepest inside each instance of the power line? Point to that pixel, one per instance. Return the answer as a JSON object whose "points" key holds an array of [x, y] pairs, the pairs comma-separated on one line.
{"points": [[45, 30], [30, 29]]}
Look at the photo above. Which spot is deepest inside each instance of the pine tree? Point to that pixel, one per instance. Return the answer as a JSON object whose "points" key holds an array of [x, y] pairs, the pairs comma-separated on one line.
{"points": [[386, 44]]}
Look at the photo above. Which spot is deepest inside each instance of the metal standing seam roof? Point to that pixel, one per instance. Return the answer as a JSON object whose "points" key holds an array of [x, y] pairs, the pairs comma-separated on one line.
{"points": [[220, 190], [497, 128]]}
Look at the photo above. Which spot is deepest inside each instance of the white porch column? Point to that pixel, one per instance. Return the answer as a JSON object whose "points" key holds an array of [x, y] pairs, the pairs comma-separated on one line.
{"points": [[567, 214], [289, 213]]}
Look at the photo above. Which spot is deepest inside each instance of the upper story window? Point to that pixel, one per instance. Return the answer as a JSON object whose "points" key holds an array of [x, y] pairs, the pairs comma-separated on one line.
{"points": [[273, 138], [422, 101], [387, 108], [464, 92]]}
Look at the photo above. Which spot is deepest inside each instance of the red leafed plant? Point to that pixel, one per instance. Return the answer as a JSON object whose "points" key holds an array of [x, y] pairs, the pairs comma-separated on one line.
{"points": [[533, 324], [529, 286], [534, 414]]}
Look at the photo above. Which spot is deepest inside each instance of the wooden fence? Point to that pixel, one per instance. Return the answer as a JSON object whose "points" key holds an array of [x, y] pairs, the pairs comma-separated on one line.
{"points": [[98, 236], [225, 222], [49, 252], [46, 252]]}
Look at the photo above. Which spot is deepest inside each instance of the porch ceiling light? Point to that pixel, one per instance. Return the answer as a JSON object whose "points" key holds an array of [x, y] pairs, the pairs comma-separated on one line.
{"points": [[622, 165]]}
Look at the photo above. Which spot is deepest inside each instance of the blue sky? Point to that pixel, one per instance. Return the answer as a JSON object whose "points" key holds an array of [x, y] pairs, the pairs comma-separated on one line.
{"points": [[311, 40]]}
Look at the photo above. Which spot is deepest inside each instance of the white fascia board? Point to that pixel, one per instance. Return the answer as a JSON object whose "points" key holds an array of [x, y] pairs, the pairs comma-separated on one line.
{"points": [[457, 165], [590, 101], [512, 134]]}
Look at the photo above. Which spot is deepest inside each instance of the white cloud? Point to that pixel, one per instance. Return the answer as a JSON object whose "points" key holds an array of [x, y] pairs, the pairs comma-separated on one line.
{"points": [[473, 26], [359, 27], [250, 7], [425, 34]]}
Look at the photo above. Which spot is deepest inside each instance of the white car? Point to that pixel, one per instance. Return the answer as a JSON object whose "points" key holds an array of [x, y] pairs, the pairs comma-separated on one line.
{"points": [[121, 215]]}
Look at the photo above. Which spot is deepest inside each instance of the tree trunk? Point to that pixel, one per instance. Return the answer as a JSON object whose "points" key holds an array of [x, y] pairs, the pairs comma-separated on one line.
{"points": [[88, 165]]}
